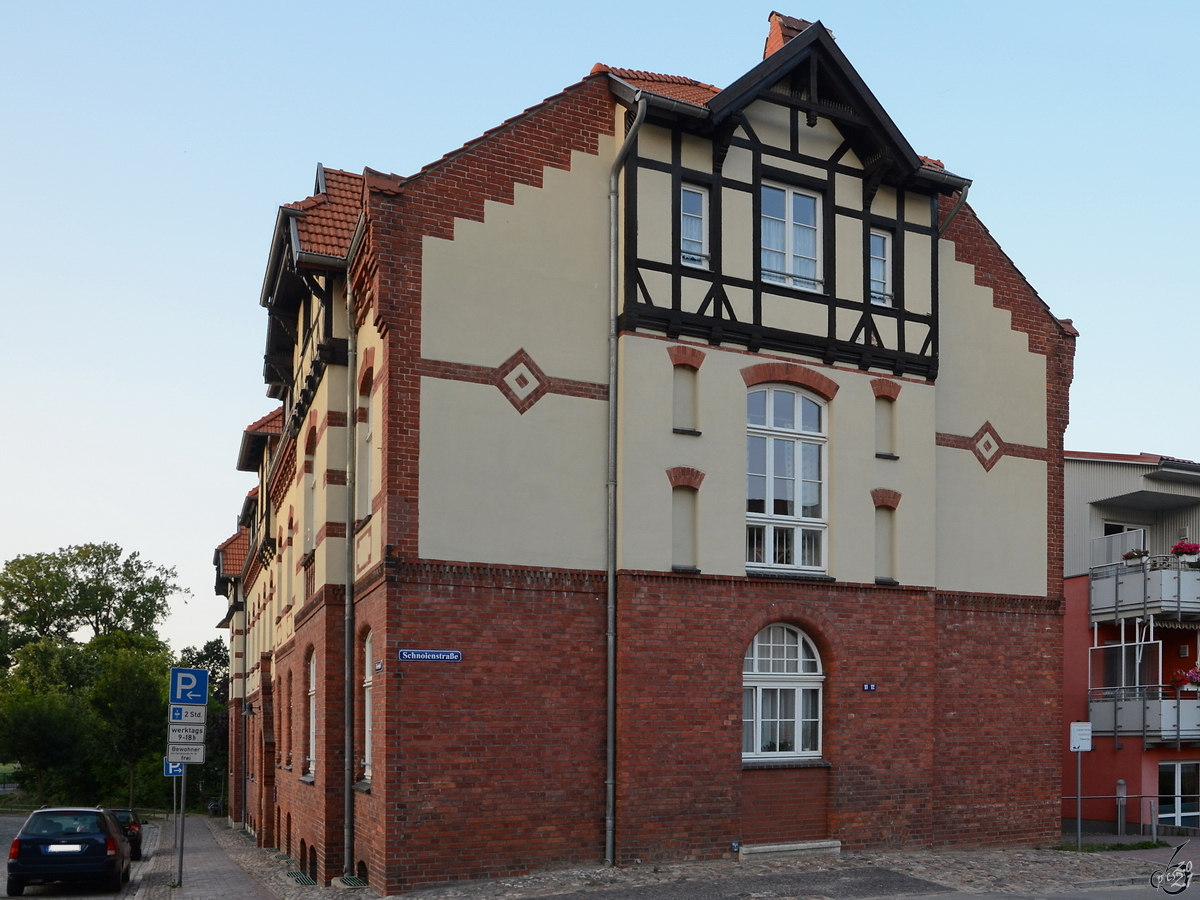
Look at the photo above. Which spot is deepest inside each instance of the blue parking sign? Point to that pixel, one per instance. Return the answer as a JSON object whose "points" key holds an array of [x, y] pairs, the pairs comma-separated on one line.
{"points": [[172, 770], [189, 686]]}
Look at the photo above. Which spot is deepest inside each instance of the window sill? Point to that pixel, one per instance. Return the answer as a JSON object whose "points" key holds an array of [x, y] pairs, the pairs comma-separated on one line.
{"points": [[685, 570], [789, 576], [308, 779], [891, 582], [364, 786], [786, 764], [688, 431], [886, 456], [360, 524]]}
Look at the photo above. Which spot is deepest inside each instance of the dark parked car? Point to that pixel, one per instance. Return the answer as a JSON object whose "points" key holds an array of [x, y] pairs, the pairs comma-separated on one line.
{"points": [[68, 844], [132, 825]]}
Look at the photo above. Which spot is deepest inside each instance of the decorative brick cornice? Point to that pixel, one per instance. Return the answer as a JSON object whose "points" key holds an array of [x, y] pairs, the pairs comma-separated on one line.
{"points": [[885, 387], [682, 355], [685, 476], [790, 373], [989, 448], [886, 498]]}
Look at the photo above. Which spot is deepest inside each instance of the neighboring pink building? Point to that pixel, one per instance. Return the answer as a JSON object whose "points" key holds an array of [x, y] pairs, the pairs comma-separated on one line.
{"points": [[1130, 629]]}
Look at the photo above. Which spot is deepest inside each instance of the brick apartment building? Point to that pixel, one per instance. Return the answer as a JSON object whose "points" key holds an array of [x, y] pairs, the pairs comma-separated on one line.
{"points": [[692, 460]]}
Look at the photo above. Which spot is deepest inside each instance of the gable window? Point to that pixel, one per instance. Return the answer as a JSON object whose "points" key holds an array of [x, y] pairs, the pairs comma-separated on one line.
{"points": [[791, 237], [785, 480], [781, 696], [693, 226], [881, 268]]}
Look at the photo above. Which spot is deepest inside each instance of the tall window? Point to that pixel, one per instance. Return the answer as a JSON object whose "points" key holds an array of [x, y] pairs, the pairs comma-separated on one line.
{"points": [[881, 268], [693, 226], [310, 492], [781, 696], [791, 237], [785, 480], [368, 679], [311, 754], [365, 438]]}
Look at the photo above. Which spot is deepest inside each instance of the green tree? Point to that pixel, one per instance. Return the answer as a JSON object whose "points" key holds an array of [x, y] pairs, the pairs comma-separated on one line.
{"points": [[53, 664], [129, 699], [36, 597], [119, 594], [44, 732]]}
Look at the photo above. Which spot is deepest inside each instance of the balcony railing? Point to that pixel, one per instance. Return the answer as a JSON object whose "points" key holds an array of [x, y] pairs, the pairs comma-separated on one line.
{"points": [[1161, 586], [1156, 713]]}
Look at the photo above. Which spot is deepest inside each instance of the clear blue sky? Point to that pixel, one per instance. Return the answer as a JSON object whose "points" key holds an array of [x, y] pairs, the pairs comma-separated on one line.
{"points": [[147, 146]]}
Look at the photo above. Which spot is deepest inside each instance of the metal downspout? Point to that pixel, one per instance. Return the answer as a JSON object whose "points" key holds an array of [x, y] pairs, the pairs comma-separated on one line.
{"points": [[348, 649], [614, 234], [245, 714]]}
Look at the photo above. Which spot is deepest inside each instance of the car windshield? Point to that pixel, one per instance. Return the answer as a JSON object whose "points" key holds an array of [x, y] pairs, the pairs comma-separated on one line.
{"points": [[60, 824]]}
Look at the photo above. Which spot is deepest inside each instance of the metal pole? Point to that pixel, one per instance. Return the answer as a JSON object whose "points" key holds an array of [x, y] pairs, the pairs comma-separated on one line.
{"points": [[182, 820], [1153, 823], [174, 812], [1079, 799]]}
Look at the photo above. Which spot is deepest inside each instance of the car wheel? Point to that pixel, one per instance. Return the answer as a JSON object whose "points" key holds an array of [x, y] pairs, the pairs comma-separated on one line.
{"points": [[136, 853], [15, 888], [128, 871], [114, 883]]}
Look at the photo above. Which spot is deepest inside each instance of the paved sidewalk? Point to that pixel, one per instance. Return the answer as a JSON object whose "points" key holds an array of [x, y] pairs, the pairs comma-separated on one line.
{"points": [[209, 873]]}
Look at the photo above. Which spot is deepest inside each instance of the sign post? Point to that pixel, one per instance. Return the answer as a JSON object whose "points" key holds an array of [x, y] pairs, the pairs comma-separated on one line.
{"points": [[186, 718], [1081, 742]]}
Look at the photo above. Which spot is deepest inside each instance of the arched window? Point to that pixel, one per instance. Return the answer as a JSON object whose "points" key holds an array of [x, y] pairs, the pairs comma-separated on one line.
{"points": [[785, 480], [781, 696], [368, 679], [310, 493], [311, 755]]}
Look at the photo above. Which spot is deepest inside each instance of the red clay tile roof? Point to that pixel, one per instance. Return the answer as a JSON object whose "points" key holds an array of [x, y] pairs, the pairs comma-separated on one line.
{"points": [[677, 87], [329, 219], [271, 423], [1148, 459], [233, 552]]}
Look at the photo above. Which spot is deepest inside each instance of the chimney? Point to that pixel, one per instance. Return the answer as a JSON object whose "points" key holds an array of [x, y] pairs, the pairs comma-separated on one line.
{"points": [[783, 29]]}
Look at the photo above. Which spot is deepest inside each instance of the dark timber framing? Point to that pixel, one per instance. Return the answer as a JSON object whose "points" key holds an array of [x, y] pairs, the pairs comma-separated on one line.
{"points": [[809, 79]]}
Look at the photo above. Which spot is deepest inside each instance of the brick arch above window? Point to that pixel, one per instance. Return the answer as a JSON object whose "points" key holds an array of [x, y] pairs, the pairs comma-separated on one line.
{"points": [[886, 498], [886, 388], [690, 357], [685, 476], [790, 373]]}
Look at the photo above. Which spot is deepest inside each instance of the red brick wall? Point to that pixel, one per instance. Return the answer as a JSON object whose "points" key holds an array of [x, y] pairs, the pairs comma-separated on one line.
{"points": [[496, 763], [781, 805]]}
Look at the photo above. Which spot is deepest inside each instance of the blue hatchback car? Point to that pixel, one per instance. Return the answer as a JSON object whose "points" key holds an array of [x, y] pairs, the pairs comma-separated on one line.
{"points": [[69, 844]]}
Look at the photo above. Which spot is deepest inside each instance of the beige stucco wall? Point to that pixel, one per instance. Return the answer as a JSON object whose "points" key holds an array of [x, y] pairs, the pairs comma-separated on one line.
{"points": [[985, 370], [648, 447], [533, 274], [500, 487], [988, 374]]}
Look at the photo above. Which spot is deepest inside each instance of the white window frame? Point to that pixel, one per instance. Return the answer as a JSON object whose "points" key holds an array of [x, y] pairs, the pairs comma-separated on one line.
{"points": [[766, 543], [689, 257], [311, 756], [368, 682], [884, 295], [787, 275], [1177, 814], [770, 671]]}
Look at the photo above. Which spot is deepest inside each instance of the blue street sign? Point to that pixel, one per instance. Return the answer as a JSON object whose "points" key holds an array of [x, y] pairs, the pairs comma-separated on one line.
{"points": [[172, 770], [430, 656], [189, 686]]}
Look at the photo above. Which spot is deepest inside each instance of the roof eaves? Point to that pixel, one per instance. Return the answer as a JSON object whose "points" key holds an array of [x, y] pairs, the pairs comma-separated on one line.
{"points": [[629, 95]]}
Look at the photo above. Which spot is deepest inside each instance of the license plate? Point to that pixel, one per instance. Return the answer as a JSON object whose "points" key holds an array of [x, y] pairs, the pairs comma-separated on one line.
{"points": [[64, 848]]}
